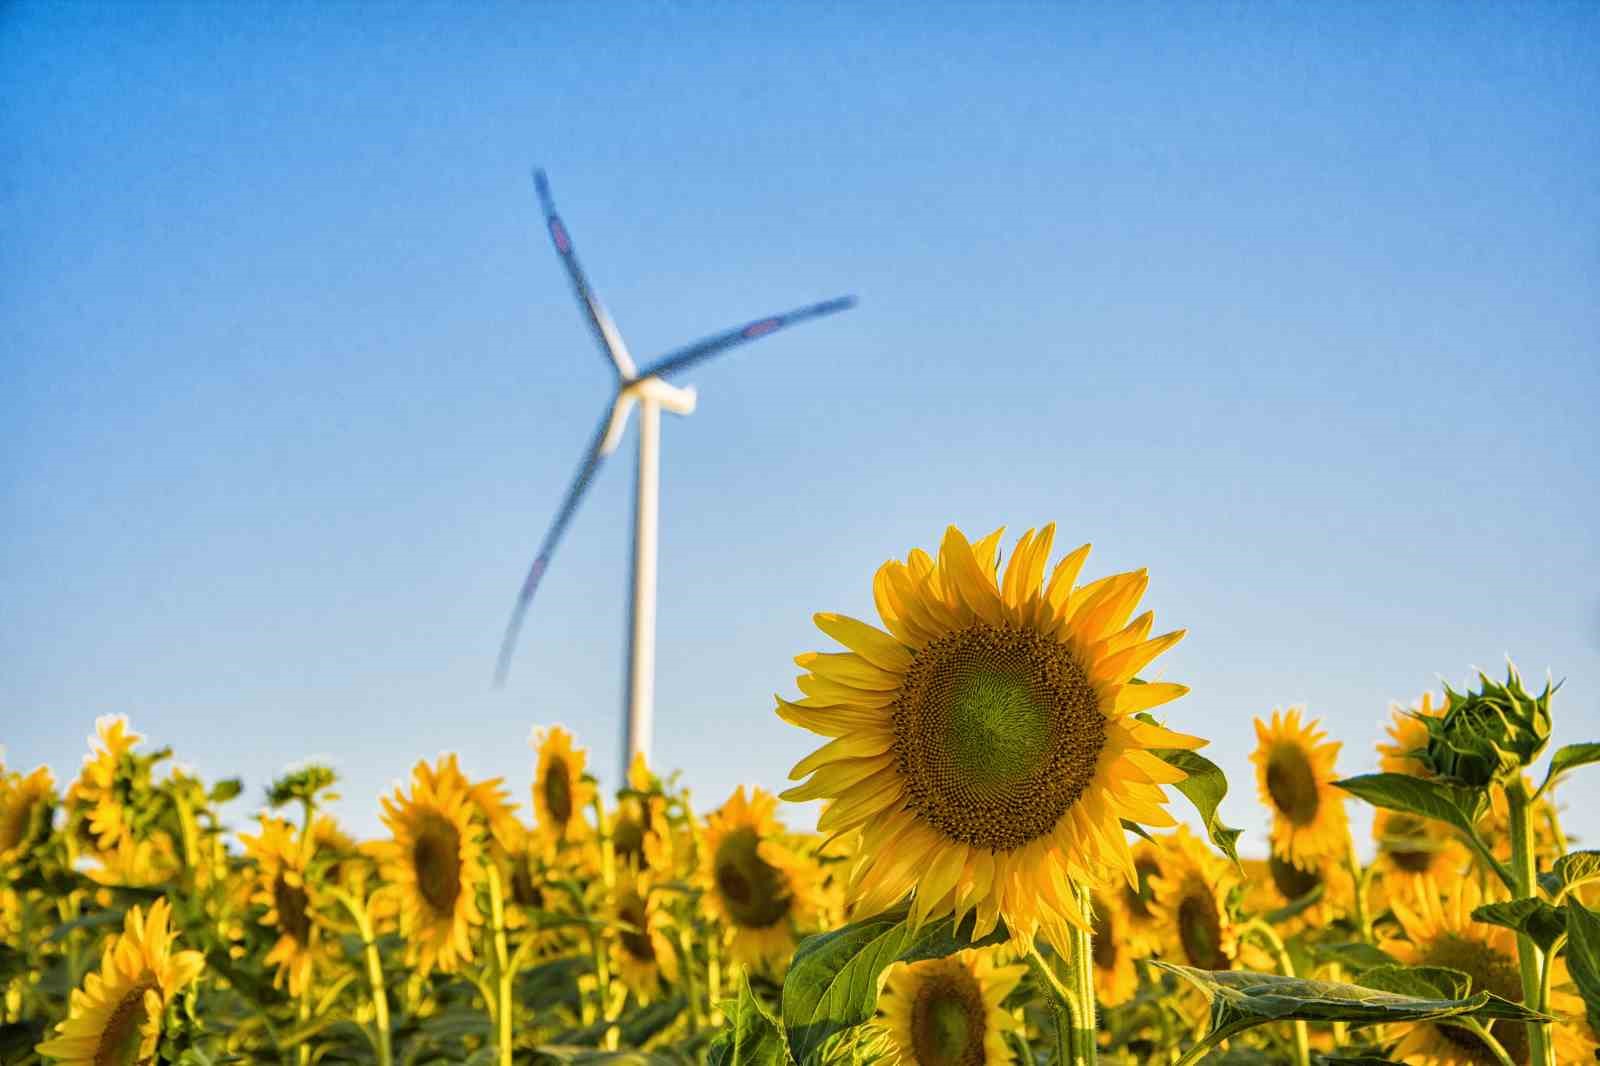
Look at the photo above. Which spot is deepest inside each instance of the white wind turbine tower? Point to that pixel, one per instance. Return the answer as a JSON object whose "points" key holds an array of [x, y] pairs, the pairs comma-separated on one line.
{"points": [[647, 390]]}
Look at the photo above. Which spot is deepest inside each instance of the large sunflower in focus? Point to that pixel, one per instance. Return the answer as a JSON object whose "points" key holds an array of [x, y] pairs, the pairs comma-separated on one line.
{"points": [[754, 884], [1191, 907], [115, 1018], [434, 862], [947, 1012], [986, 745], [1294, 771], [1439, 931], [25, 809], [641, 953], [281, 886], [561, 792]]}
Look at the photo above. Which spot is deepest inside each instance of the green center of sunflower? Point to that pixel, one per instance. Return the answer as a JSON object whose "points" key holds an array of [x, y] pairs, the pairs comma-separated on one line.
{"points": [[122, 1033], [635, 941], [755, 892], [291, 903], [436, 857], [1291, 881], [1200, 928], [997, 733], [558, 791], [1292, 784], [1491, 971], [947, 1021]]}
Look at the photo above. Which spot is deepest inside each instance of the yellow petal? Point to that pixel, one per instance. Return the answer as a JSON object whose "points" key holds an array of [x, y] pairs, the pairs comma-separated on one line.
{"points": [[856, 745], [848, 668], [1131, 698], [872, 644], [830, 720]]}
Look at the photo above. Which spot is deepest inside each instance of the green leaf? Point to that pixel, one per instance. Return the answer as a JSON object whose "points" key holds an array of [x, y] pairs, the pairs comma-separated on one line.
{"points": [[752, 1036], [1538, 919], [1571, 870], [226, 789], [1205, 787], [1241, 1000], [833, 979], [1567, 759], [1295, 906], [1356, 956], [1426, 982], [1583, 955], [1460, 807], [1137, 830]]}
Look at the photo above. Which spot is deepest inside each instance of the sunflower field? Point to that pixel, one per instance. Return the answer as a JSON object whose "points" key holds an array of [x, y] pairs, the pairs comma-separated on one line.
{"points": [[994, 877]]}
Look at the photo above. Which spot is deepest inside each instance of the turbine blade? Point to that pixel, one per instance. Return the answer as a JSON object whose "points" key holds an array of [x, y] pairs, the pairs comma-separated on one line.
{"points": [[605, 331], [581, 481], [702, 350]]}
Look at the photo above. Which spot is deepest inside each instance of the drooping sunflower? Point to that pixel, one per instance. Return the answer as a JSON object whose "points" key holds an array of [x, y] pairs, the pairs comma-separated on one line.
{"points": [[561, 792], [281, 887], [115, 1018], [1190, 904], [1409, 845], [1112, 949], [435, 864], [755, 885], [1407, 734], [986, 745], [1439, 931], [1294, 772], [946, 1012], [26, 804], [94, 797], [641, 952]]}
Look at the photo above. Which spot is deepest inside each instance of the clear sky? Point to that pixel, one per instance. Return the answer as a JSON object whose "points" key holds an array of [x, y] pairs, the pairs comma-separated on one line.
{"points": [[1296, 306]]}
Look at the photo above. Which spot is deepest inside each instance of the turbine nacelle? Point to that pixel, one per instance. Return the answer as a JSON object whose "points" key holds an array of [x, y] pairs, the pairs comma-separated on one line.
{"points": [[679, 400]]}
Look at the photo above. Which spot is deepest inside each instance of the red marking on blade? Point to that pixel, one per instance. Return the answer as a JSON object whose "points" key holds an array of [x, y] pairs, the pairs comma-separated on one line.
{"points": [[757, 329], [559, 232]]}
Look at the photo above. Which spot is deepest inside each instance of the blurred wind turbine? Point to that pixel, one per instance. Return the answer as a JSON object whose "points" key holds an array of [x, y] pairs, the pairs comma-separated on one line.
{"points": [[647, 390]]}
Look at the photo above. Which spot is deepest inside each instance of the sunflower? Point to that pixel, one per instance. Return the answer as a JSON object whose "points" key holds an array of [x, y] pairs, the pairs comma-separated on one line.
{"points": [[1275, 882], [1113, 951], [131, 863], [1407, 734], [283, 888], [98, 797], [434, 862], [561, 791], [26, 806], [1495, 825], [754, 884], [1294, 771], [986, 746], [641, 952], [947, 1012], [115, 1017], [1440, 931], [1190, 904], [640, 834], [1135, 899], [1409, 844]]}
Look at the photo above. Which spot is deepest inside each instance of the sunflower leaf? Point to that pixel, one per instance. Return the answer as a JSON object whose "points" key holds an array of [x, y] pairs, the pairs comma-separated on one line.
{"points": [[833, 979], [1355, 956], [1242, 1000], [1571, 870], [1567, 759], [1583, 955], [1427, 982], [1205, 787], [1459, 807], [752, 1036], [1544, 923]]}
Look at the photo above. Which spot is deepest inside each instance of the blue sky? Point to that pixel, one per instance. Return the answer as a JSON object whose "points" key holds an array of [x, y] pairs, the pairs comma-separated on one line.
{"points": [[1296, 307]]}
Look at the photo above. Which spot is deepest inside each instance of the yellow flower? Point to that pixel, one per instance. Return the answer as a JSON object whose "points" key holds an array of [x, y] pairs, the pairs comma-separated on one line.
{"points": [[25, 806], [755, 885], [1136, 899], [1294, 771], [1113, 950], [1409, 845], [137, 863], [115, 1018], [281, 885], [986, 746], [1190, 905], [640, 835], [1440, 931], [1407, 733], [93, 796], [434, 862], [1275, 882], [641, 953], [947, 1012], [561, 792]]}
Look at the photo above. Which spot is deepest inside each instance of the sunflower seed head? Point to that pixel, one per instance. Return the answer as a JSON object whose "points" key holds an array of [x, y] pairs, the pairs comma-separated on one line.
{"points": [[1489, 735]]}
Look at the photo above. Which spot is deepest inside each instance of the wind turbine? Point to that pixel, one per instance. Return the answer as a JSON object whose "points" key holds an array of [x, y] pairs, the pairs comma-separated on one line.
{"points": [[647, 390]]}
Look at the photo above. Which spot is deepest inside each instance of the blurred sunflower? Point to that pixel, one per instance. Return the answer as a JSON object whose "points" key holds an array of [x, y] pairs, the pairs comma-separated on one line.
{"points": [[26, 805], [1495, 825], [986, 746], [434, 863], [280, 885], [561, 792], [1439, 931], [640, 836], [641, 954], [1407, 734], [1409, 844], [1112, 950], [1190, 904], [947, 1012], [95, 797], [754, 884], [1294, 772], [131, 863], [115, 1018], [1275, 882], [1136, 897]]}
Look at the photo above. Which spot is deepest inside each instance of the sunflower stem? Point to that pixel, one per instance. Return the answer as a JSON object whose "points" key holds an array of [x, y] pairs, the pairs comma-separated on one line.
{"points": [[1362, 877], [502, 966], [1529, 957], [380, 993], [1060, 1003], [1486, 1038], [1081, 973], [1274, 943]]}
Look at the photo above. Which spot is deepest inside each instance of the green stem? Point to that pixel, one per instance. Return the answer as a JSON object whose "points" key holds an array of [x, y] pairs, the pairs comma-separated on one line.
{"points": [[502, 965], [1486, 1038], [1529, 957], [1209, 1041], [1060, 1003], [380, 994], [1363, 880], [1302, 1038], [1081, 974], [1490, 863]]}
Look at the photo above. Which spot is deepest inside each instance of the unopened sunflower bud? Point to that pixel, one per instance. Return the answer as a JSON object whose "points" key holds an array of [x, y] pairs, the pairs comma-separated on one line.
{"points": [[1489, 735]]}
